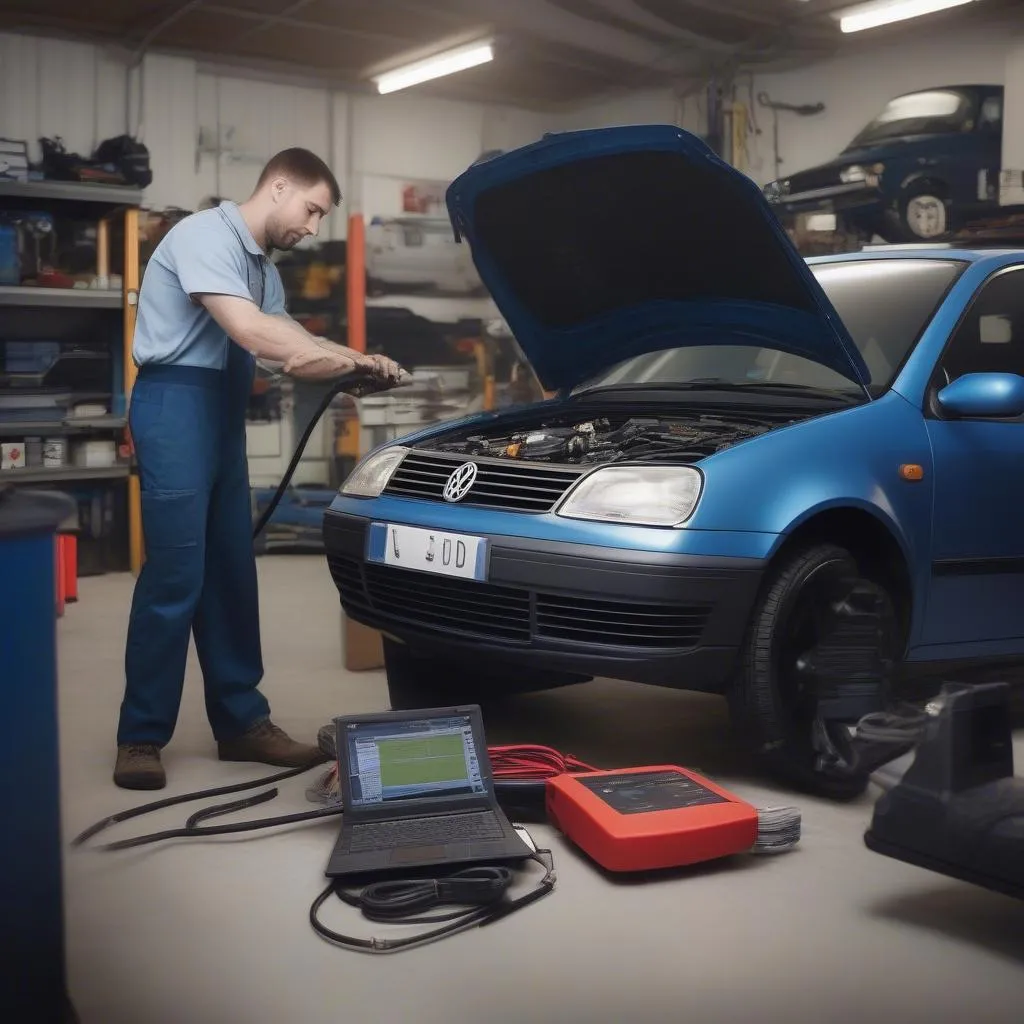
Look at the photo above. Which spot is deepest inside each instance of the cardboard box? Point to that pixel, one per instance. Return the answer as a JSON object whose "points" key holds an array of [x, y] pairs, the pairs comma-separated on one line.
{"points": [[362, 647], [12, 455]]}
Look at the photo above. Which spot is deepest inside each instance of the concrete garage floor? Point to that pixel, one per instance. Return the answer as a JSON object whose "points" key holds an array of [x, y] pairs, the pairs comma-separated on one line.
{"points": [[216, 931]]}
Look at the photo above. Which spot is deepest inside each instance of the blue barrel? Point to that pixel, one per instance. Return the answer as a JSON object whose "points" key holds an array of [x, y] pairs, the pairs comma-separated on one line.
{"points": [[32, 966]]}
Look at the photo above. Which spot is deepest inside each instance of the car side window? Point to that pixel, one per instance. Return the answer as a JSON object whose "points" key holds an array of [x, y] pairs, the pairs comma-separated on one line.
{"points": [[991, 115], [990, 339]]}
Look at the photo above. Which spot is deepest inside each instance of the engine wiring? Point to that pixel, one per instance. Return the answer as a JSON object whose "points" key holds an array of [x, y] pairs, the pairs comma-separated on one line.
{"points": [[599, 440]]}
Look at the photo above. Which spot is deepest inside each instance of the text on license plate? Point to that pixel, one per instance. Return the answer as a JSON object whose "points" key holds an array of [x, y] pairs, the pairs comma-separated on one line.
{"points": [[411, 547]]}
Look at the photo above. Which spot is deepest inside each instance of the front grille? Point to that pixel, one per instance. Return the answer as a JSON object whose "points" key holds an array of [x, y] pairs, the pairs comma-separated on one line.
{"points": [[493, 612], [513, 486], [811, 181], [619, 623]]}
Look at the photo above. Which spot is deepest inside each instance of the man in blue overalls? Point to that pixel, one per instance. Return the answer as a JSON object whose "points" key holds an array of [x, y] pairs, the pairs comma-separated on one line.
{"points": [[212, 303]]}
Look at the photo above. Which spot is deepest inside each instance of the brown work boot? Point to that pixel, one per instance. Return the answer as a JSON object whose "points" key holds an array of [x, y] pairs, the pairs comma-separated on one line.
{"points": [[267, 744], [138, 767]]}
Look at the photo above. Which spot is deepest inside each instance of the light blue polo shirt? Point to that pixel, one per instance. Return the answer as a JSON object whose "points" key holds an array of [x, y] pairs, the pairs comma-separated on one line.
{"points": [[212, 252]]}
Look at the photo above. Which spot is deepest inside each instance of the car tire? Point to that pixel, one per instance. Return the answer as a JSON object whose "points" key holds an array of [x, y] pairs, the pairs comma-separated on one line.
{"points": [[420, 681], [925, 215], [770, 697]]}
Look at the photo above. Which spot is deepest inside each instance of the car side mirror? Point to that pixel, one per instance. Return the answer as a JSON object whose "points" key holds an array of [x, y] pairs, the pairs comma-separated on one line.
{"points": [[983, 396]]}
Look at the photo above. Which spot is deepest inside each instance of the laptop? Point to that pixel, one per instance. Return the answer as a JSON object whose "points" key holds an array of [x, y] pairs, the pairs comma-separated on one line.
{"points": [[418, 792]]}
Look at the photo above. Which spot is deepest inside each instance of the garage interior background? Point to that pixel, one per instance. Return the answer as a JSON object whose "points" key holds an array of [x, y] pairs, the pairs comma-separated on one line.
{"points": [[213, 90], [215, 87]]}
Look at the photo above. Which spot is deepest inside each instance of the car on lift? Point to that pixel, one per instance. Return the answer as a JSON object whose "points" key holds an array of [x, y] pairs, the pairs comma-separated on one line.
{"points": [[792, 482], [922, 169]]}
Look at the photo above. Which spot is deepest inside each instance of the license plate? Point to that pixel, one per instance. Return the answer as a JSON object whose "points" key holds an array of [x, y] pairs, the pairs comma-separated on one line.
{"points": [[444, 554]]}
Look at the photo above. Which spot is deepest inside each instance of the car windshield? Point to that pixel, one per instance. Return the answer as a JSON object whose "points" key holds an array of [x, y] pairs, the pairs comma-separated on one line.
{"points": [[938, 112], [885, 305]]}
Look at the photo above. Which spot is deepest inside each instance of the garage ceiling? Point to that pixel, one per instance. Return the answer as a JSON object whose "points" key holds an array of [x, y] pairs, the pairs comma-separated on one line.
{"points": [[548, 53]]}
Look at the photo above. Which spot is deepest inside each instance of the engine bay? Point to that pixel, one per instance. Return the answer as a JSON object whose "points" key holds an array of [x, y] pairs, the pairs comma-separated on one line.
{"points": [[671, 439]]}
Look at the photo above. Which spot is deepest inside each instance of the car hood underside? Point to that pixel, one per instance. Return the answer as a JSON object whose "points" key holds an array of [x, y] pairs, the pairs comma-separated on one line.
{"points": [[600, 245]]}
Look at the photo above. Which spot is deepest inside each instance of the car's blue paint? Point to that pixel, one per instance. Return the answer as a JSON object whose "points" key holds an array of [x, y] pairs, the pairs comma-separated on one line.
{"points": [[998, 395], [551, 527], [957, 527], [564, 356], [757, 493]]}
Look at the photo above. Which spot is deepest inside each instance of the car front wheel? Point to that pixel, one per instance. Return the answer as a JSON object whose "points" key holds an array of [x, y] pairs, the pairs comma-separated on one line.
{"points": [[819, 653]]}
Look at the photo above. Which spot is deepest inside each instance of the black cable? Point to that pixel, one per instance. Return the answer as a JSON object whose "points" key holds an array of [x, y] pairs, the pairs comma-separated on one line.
{"points": [[404, 901], [171, 801], [222, 830], [354, 384], [335, 390]]}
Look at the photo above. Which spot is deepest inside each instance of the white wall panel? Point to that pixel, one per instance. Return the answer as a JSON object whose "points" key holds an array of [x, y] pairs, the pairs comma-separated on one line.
{"points": [[509, 128], [651, 107], [19, 90], [412, 137], [168, 129]]}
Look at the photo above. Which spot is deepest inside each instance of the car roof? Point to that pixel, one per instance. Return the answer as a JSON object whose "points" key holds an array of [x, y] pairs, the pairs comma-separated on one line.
{"points": [[923, 252]]}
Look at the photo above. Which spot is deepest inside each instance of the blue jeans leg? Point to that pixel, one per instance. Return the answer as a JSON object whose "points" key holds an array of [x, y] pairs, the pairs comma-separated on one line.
{"points": [[227, 621], [171, 425]]}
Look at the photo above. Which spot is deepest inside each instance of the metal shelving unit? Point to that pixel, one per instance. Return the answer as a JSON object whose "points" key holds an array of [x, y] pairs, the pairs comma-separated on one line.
{"points": [[65, 474], [57, 428], [99, 204], [75, 298]]}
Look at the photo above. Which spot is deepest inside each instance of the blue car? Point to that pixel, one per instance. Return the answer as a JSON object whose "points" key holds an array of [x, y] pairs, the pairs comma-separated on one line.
{"points": [[794, 483]]}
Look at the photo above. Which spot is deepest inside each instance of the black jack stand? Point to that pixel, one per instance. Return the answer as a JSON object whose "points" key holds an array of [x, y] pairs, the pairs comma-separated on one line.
{"points": [[959, 809]]}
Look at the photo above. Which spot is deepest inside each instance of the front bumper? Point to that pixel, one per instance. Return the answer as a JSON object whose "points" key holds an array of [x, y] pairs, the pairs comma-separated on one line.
{"points": [[834, 198], [644, 616]]}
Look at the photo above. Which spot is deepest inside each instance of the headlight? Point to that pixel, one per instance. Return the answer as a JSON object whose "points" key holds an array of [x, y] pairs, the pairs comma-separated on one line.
{"points": [[371, 476], [638, 495], [855, 173]]}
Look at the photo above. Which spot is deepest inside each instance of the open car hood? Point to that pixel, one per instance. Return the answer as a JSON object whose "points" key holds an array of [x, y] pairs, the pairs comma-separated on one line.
{"points": [[600, 245]]}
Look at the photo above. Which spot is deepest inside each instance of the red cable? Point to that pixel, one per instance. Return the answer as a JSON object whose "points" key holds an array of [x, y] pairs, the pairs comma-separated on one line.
{"points": [[532, 761]]}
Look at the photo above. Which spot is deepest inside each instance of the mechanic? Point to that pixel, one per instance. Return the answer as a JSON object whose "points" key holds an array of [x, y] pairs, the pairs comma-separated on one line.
{"points": [[211, 305]]}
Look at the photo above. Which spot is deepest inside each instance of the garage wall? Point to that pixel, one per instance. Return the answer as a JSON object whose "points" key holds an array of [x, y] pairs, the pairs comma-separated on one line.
{"points": [[853, 90], [209, 133]]}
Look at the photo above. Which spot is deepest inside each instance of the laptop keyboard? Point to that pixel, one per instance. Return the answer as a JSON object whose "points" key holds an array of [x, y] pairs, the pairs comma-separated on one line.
{"points": [[421, 831]]}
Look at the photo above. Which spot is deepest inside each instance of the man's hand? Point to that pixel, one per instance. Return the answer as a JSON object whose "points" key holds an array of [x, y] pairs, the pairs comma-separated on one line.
{"points": [[380, 366], [376, 365]]}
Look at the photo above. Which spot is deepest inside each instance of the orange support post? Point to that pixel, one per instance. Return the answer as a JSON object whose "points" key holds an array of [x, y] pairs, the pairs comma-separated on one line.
{"points": [[58, 547], [355, 274], [70, 542]]}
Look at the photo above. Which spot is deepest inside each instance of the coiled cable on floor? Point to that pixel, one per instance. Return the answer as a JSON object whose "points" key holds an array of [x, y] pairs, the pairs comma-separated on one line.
{"points": [[480, 891]]}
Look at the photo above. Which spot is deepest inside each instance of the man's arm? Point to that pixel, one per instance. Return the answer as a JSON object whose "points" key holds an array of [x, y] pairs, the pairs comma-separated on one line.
{"points": [[379, 364], [278, 339]]}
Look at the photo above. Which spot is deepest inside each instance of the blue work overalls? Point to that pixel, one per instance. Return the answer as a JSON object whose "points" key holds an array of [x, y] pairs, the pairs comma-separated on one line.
{"points": [[199, 577]]}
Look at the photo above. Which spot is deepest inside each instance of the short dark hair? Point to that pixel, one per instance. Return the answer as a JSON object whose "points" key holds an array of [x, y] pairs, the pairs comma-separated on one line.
{"points": [[302, 166]]}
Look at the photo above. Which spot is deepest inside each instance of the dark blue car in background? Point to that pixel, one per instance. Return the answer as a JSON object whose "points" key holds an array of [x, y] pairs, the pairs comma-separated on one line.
{"points": [[794, 483], [925, 166]]}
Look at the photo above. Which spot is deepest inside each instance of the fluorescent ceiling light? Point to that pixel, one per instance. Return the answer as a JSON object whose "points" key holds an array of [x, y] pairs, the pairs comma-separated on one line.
{"points": [[446, 63], [857, 19]]}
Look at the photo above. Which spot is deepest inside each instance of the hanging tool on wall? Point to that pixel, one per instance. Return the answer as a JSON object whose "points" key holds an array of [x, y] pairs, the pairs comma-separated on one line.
{"points": [[800, 109]]}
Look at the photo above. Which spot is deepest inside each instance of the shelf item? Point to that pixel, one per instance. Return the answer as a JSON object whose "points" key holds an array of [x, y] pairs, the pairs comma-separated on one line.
{"points": [[71, 298]]}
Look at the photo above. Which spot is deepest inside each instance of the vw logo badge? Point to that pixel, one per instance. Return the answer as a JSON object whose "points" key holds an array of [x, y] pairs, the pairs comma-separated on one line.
{"points": [[459, 483]]}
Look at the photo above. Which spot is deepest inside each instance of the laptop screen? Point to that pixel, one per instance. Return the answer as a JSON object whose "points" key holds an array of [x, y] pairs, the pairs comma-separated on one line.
{"points": [[412, 759]]}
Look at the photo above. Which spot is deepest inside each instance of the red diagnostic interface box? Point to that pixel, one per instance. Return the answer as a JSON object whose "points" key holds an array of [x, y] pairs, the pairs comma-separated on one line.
{"points": [[644, 819]]}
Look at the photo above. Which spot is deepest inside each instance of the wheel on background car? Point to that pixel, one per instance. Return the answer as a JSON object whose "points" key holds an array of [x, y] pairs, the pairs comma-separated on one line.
{"points": [[820, 652], [924, 215]]}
